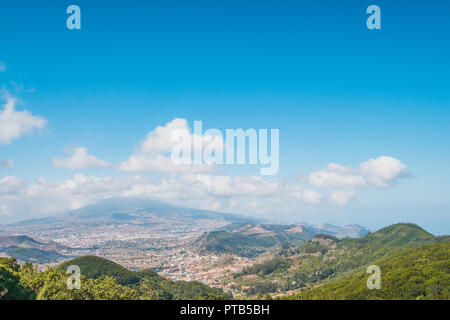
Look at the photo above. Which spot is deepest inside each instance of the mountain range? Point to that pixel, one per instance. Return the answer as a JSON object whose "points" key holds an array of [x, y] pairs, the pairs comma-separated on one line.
{"points": [[135, 211], [224, 232], [250, 239], [414, 264], [27, 242], [324, 259]]}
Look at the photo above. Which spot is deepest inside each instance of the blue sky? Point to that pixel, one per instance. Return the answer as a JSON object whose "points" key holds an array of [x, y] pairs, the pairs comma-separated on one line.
{"points": [[338, 92]]}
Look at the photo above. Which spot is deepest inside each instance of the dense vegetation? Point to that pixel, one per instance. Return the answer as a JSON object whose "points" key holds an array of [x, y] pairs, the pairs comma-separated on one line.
{"points": [[249, 240], [414, 265], [95, 267], [325, 258], [417, 273], [225, 242], [101, 280], [266, 267], [11, 287]]}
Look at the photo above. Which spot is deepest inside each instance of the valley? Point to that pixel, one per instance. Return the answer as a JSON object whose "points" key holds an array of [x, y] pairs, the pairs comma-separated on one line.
{"points": [[179, 243], [243, 257]]}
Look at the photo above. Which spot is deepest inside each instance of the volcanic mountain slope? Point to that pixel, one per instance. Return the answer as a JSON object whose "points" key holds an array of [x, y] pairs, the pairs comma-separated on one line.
{"points": [[141, 212], [27, 242]]}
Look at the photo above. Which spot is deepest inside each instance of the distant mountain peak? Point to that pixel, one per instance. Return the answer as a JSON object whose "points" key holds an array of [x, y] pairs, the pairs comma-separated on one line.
{"points": [[117, 210]]}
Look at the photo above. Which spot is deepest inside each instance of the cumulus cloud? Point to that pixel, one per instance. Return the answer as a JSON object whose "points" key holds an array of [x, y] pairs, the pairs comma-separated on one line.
{"points": [[336, 175], [14, 124], [252, 194], [309, 196], [6, 163], [80, 158], [143, 162], [154, 152], [11, 186], [239, 194], [160, 139], [382, 171], [342, 197], [197, 185], [226, 186], [379, 172]]}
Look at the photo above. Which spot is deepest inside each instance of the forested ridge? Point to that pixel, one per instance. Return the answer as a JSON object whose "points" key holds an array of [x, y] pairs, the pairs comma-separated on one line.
{"points": [[325, 259], [414, 273], [414, 264], [101, 279]]}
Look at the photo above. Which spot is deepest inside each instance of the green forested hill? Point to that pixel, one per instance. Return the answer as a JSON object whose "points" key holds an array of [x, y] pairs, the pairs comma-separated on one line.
{"points": [[414, 265], [101, 279], [145, 282], [223, 242], [413, 273], [250, 240], [10, 285], [94, 267], [325, 258]]}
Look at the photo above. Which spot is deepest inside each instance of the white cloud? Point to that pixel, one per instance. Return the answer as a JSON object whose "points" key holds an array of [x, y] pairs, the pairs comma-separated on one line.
{"points": [[14, 124], [80, 158], [245, 195], [198, 186], [160, 139], [11, 186], [310, 196], [141, 162], [336, 175], [382, 171], [226, 186], [2, 67], [379, 172], [153, 153], [342, 197], [6, 163]]}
